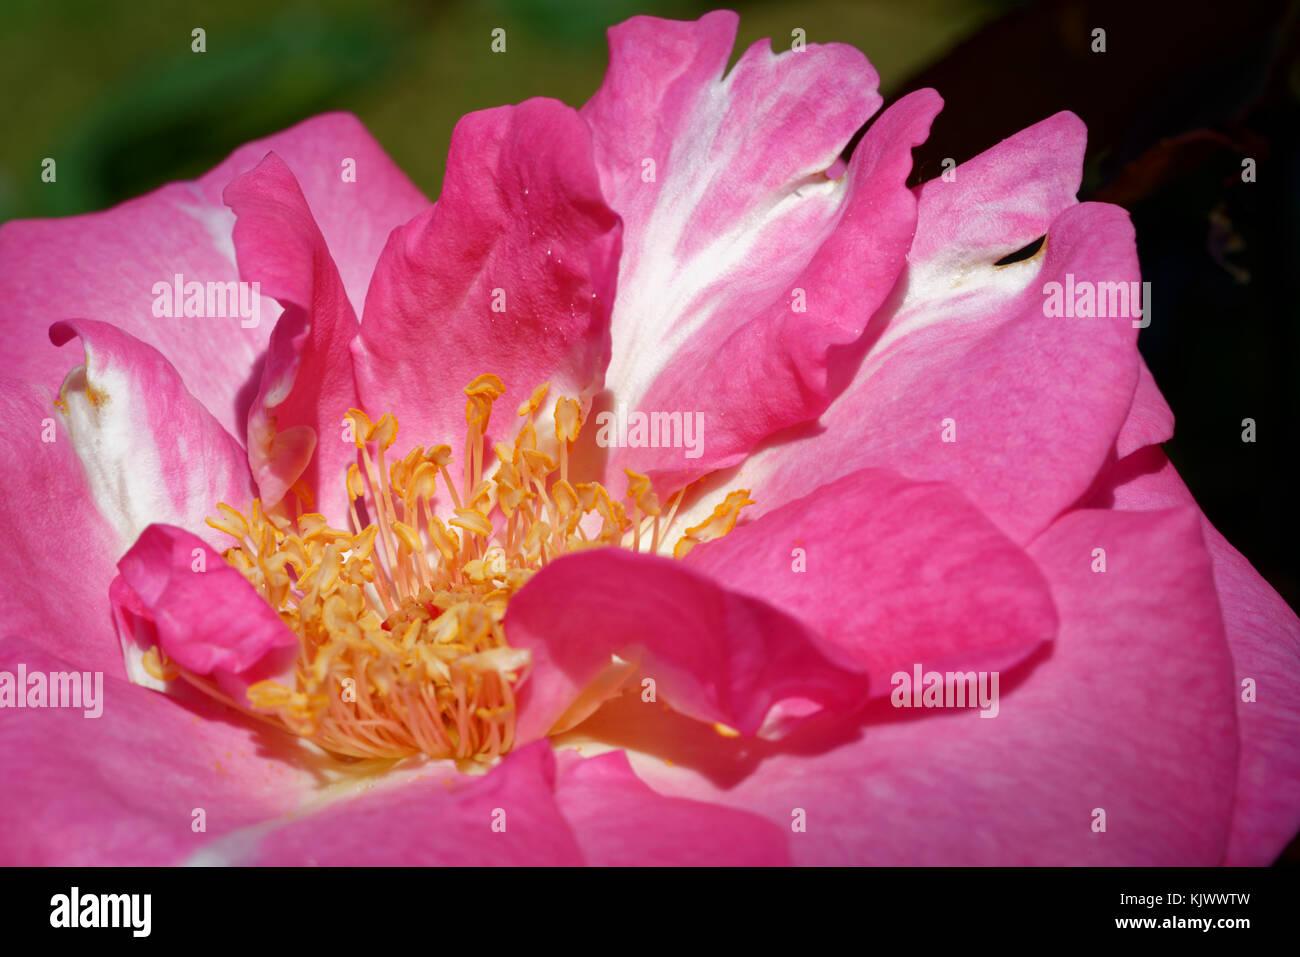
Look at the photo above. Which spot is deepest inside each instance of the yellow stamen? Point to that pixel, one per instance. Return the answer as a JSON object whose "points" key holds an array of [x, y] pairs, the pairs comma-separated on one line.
{"points": [[400, 618], [156, 663], [722, 521]]}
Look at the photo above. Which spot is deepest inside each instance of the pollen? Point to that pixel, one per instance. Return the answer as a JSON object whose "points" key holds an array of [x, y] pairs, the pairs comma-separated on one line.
{"points": [[400, 616]]}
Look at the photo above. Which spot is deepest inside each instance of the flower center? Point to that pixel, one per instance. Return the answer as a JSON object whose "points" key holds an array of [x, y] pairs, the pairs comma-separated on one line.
{"points": [[400, 619]]}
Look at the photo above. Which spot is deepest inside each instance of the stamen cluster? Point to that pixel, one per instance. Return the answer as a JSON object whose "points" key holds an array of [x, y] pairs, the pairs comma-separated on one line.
{"points": [[399, 618]]}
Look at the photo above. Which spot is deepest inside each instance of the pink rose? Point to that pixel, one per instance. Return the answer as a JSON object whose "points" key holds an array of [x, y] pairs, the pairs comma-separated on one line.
{"points": [[814, 490]]}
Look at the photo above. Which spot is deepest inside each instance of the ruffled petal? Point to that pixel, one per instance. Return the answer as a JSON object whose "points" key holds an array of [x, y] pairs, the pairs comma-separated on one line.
{"points": [[997, 202], [1018, 410], [176, 592], [512, 272], [531, 809], [296, 423], [759, 364], [743, 261]]}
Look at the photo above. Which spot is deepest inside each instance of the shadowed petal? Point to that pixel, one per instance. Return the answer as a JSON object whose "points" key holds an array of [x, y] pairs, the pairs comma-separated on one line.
{"points": [[893, 572], [1264, 637], [712, 654], [619, 822], [1131, 712]]}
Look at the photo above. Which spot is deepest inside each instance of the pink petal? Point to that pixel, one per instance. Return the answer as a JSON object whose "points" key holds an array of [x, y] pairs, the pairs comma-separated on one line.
{"points": [[738, 215], [893, 573], [60, 550], [1001, 200], [1132, 712], [1150, 420], [620, 822], [597, 812], [444, 820], [177, 592], [295, 425], [1034, 404], [714, 655], [521, 223], [1264, 637], [123, 788], [150, 450], [104, 265], [759, 365], [355, 214]]}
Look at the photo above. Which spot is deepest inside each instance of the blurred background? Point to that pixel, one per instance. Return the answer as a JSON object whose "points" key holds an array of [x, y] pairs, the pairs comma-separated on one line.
{"points": [[1183, 93]]}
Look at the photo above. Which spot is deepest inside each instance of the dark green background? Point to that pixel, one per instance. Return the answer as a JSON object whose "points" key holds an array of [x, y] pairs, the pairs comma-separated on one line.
{"points": [[114, 93]]}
